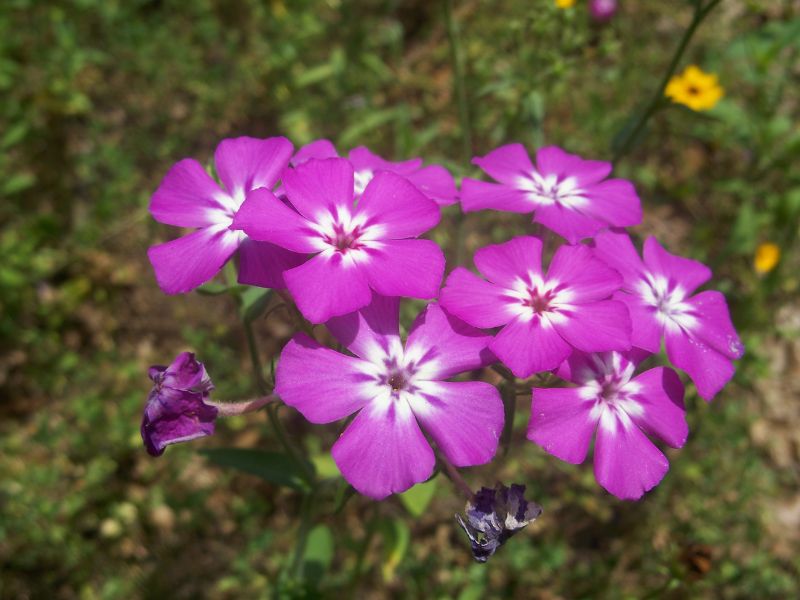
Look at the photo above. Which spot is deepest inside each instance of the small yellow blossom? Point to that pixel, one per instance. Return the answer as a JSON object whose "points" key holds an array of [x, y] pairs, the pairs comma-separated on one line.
{"points": [[695, 89], [565, 3], [767, 256]]}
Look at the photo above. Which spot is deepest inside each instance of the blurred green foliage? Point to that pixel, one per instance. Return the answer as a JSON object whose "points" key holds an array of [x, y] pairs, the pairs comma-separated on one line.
{"points": [[100, 98]]}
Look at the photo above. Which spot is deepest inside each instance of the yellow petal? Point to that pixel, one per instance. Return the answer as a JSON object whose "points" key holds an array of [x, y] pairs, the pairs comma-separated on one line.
{"points": [[565, 3], [766, 258]]}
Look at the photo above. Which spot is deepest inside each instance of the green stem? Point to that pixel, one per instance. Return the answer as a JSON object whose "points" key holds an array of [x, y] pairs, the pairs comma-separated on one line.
{"points": [[255, 360], [508, 393], [454, 476], [272, 408], [504, 372], [306, 508], [283, 439], [358, 569], [456, 58], [700, 13]]}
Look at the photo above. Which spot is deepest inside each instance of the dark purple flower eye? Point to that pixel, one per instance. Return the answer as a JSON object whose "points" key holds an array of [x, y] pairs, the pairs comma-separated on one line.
{"points": [[176, 410], [493, 515]]}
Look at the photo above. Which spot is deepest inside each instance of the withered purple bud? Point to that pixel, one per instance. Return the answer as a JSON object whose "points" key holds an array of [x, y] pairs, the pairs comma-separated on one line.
{"points": [[493, 515]]}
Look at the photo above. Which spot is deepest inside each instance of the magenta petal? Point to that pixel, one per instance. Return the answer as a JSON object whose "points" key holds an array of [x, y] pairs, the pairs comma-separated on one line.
{"points": [[529, 346], [480, 195], [183, 264], [690, 274], [570, 224], [597, 326], [709, 369], [319, 149], [616, 202], [585, 172], [383, 451], [474, 300], [562, 423], [408, 268], [714, 325], [172, 416], [587, 278], [552, 160], [321, 383], [506, 164], [328, 285], [363, 159], [443, 346], [505, 264], [659, 393], [465, 419], [320, 186], [617, 250], [646, 328], [262, 264], [373, 333], [187, 196], [626, 463], [246, 163], [401, 210], [265, 218], [436, 183]]}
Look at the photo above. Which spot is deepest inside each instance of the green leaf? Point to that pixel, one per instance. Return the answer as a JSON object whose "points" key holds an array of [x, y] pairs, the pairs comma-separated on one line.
{"points": [[254, 302], [396, 537], [417, 499], [274, 467], [17, 183], [14, 135], [325, 465], [215, 289], [318, 555]]}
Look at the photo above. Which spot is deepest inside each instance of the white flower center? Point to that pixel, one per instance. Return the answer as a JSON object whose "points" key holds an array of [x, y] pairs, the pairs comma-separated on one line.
{"points": [[669, 300], [536, 298], [608, 385], [549, 190], [229, 206], [361, 179]]}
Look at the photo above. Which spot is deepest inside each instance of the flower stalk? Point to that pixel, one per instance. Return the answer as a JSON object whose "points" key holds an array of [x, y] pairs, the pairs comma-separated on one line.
{"points": [[657, 100]]}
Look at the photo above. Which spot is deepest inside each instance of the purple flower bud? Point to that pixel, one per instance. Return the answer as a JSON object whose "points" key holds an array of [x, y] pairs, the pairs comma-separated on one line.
{"points": [[602, 10], [494, 515], [175, 410]]}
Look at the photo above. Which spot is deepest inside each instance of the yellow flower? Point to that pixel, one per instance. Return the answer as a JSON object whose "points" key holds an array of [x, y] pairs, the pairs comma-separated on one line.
{"points": [[565, 3], [695, 89], [767, 256]]}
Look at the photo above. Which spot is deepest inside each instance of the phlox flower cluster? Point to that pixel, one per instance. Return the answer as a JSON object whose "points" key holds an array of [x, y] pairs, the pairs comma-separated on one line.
{"points": [[343, 235]]}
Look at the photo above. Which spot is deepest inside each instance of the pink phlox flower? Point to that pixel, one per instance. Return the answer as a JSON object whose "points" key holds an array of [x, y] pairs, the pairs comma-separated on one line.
{"points": [[395, 389], [659, 292], [603, 10], [567, 194], [434, 181], [189, 197], [359, 245], [622, 408], [543, 316]]}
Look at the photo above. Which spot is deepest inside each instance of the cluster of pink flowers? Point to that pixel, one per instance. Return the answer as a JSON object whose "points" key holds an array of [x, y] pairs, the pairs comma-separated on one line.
{"points": [[342, 235]]}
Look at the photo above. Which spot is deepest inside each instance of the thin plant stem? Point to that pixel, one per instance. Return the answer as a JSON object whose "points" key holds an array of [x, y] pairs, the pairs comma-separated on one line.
{"points": [[272, 408], [454, 476], [306, 509], [255, 360], [504, 372], [457, 60], [283, 439], [232, 409], [508, 393], [465, 124], [700, 13]]}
